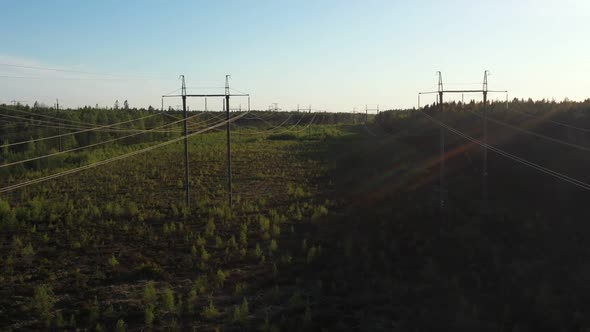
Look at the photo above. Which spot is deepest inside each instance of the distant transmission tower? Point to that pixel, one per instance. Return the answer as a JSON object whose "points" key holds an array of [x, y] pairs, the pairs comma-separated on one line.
{"points": [[440, 94]]}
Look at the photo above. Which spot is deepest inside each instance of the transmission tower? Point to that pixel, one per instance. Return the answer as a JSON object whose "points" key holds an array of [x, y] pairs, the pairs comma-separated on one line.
{"points": [[226, 108], [440, 93]]}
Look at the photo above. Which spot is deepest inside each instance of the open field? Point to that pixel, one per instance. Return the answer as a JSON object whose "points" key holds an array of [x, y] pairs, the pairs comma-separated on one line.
{"points": [[335, 227]]}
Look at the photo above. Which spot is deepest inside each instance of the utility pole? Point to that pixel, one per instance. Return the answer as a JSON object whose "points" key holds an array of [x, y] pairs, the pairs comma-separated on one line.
{"points": [[484, 173], [366, 114], [229, 179], [59, 124], [205, 104], [442, 143], [309, 127], [506, 99], [463, 100], [186, 170], [162, 104]]}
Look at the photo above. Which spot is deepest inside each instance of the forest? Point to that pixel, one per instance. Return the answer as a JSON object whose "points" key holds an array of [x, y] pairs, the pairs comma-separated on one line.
{"points": [[336, 223]]}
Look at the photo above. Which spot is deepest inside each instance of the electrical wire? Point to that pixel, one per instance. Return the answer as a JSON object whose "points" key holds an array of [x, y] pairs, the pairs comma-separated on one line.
{"points": [[523, 161], [268, 131], [238, 91], [288, 130], [553, 121], [75, 78], [54, 125], [106, 161], [82, 124], [81, 72], [27, 121], [81, 147], [528, 132], [73, 133]]}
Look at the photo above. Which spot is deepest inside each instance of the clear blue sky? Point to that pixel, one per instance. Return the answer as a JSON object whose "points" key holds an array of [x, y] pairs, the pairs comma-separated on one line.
{"points": [[333, 54]]}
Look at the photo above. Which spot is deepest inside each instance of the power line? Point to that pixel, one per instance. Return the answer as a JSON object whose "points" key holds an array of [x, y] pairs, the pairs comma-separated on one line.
{"points": [[523, 161], [71, 78], [103, 162], [80, 71], [528, 132], [82, 147], [51, 124], [90, 125], [553, 121], [73, 133], [87, 124], [264, 132], [291, 129]]}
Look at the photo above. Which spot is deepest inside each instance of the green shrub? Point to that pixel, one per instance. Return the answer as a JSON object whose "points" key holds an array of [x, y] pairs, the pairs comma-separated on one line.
{"points": [[168, 300], [220, 278], [200, 242], [210, 312], [244, 234], [241, 312], [131, 209], [276, 230], [150, 296], [113, 262], [231, 243], [149, 315], [28, 250], [295, 191], [257, 251], [319, 212], [201, 284], [120, 327], [94, 311], [210, 228], [7, 215], [191, 300], [218, 242], [273, 246], [264, 223], [43, 301], [204, 255], [17, 243], [240, 287]]}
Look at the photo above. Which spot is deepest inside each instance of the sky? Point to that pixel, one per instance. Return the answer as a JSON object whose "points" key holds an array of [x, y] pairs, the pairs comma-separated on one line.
{"points": [[335, 55]]}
